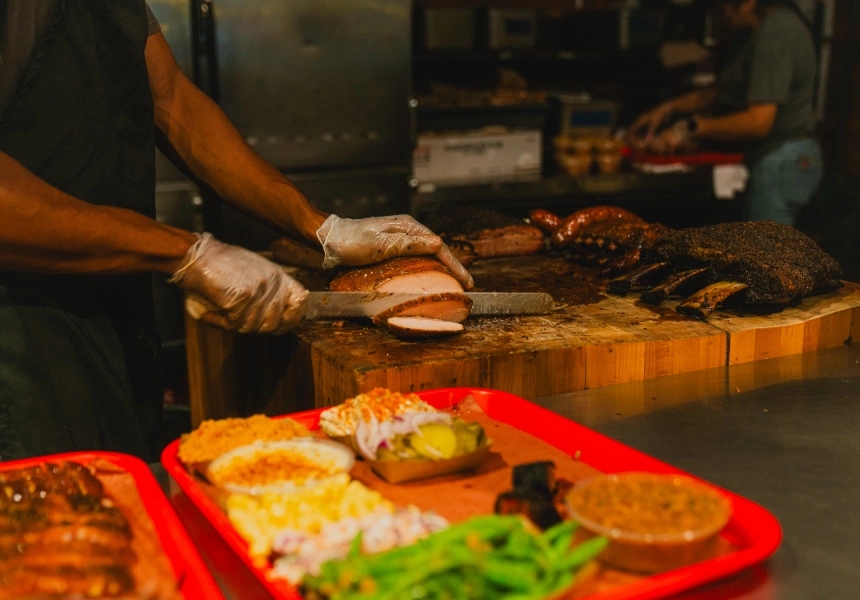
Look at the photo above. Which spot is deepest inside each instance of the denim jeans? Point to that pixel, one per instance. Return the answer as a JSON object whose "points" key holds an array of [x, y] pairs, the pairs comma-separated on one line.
{"points": [[783, 181]]}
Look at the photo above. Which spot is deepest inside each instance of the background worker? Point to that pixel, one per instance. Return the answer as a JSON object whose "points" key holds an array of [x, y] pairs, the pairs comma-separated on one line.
{"points": [[762, 105]]}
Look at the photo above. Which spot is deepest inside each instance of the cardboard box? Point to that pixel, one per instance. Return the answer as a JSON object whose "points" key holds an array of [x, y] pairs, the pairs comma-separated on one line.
{"points": [[481, 154]]}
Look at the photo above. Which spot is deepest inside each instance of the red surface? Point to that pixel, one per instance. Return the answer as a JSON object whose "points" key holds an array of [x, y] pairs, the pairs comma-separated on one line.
{"points": [[699, 158], [188, 566], [753, 530]]}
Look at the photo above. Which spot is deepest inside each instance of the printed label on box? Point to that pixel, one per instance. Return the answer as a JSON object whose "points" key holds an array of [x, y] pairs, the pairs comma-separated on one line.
{"points": [[476, 155]]}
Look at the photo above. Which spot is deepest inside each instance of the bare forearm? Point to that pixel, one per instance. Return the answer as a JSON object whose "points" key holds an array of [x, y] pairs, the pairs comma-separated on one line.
{"points": [[694, 101], [44, 230], [216, 153], [753, 123]]}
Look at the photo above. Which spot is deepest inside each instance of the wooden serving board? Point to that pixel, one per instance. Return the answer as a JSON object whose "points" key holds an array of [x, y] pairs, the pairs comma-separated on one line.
{"points": [[590, 340]]}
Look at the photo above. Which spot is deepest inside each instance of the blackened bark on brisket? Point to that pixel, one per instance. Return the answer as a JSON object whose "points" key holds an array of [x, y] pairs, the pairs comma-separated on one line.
{"points": [[779, 263]]}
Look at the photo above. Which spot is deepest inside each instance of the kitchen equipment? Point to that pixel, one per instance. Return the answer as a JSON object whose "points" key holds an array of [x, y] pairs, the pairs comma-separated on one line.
{"points": [[323, 305], [319, 88], [640, 29], [510, 28], [449, 28], [532, 433]]}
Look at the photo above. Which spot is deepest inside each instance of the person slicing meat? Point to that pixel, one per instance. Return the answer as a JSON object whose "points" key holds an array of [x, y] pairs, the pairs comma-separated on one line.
{"points": [[87, 88], [762, 105]]}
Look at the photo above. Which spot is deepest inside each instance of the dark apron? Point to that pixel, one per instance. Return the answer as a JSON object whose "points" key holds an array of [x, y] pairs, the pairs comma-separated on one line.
{"points": [[80, 362]]}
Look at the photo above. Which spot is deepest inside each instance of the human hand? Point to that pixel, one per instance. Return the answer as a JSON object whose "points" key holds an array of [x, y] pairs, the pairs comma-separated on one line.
{"points": [[671, 139], [649, 122], [354, 242], [235, 288]]}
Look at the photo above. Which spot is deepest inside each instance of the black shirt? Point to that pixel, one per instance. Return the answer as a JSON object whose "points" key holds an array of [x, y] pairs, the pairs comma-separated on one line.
{"points": [[22, 24]]}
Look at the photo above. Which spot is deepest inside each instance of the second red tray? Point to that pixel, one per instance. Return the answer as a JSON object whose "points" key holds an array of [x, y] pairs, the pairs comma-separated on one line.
{"points": [[752, 530], [191, 573]]}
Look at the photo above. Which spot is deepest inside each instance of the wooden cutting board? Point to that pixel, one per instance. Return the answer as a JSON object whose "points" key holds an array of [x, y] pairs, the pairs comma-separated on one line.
{"points": [[589, 340]]}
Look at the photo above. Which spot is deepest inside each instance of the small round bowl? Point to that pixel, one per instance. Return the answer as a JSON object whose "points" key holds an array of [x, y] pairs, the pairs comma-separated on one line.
{"points": [[280, 466], [581, 146], [609, 163], [654, 523], [575, 164], [607, 145], [562, 143]]}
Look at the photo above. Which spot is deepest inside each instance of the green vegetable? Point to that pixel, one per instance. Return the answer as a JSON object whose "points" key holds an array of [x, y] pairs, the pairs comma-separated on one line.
{"points": [[484, 558], [470, 436], [435, 441]]}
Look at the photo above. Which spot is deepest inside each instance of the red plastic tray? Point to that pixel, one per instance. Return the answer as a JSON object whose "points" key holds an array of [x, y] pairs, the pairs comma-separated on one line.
{"points": [[699, 158], [753, 530], [195, 581]]}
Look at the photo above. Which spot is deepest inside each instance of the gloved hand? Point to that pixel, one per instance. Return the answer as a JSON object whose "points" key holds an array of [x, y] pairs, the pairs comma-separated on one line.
{"points": [[237, 289], [354, 242], [672, 138], [650, 122]]}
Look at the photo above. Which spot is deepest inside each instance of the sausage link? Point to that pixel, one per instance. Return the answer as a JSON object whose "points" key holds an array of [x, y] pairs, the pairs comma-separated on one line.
{"points": [[545, 220], [578, 221]]}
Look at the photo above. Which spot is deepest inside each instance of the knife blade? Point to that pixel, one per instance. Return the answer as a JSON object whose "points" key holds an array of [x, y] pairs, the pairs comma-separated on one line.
{"points": [[323, 305]]}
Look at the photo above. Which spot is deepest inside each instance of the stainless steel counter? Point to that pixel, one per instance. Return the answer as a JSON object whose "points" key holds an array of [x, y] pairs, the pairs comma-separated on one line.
{"points": [[790, 442]]}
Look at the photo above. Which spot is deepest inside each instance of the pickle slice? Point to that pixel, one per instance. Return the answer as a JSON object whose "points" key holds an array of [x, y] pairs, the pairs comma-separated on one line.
{"points": [[469, 436], [435, 441]]}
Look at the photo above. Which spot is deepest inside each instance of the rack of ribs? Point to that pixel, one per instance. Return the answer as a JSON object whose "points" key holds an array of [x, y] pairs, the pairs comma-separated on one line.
{"points": [[61, 535]]}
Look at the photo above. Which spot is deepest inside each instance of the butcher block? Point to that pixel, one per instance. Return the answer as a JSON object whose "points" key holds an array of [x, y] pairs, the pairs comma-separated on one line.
{"points": [[589, 340]]}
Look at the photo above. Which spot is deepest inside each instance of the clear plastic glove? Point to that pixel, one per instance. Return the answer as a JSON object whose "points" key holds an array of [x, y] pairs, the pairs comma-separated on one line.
{"points": [[671, 139], [648, 123], [354, 242], [238, 289]]}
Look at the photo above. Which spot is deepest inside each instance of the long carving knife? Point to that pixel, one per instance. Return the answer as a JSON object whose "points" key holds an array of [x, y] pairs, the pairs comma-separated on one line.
{"points": [[332, 305], [326, 305]]}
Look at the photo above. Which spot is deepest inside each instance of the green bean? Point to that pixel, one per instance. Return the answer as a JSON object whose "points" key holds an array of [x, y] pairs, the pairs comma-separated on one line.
{"points": [[438, 565], [559, 538], [510, 574], [559, 582], [355, 546], [506, 563], [581, 554], [520, 544], [558, 530]]}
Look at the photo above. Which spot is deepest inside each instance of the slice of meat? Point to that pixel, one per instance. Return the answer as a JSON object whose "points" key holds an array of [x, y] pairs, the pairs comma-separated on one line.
{"points": [[410, 274], [448, 306], [411, 328], [513, 240], [490, 233], [446, 300]]}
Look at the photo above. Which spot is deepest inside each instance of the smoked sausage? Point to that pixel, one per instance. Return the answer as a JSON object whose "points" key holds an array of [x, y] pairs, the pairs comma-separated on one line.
{"points": [[544, 220], [575, 223]]}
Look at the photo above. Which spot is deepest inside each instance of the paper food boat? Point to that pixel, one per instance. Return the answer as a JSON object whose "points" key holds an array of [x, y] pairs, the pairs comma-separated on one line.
{"points": [[401, 471]]}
